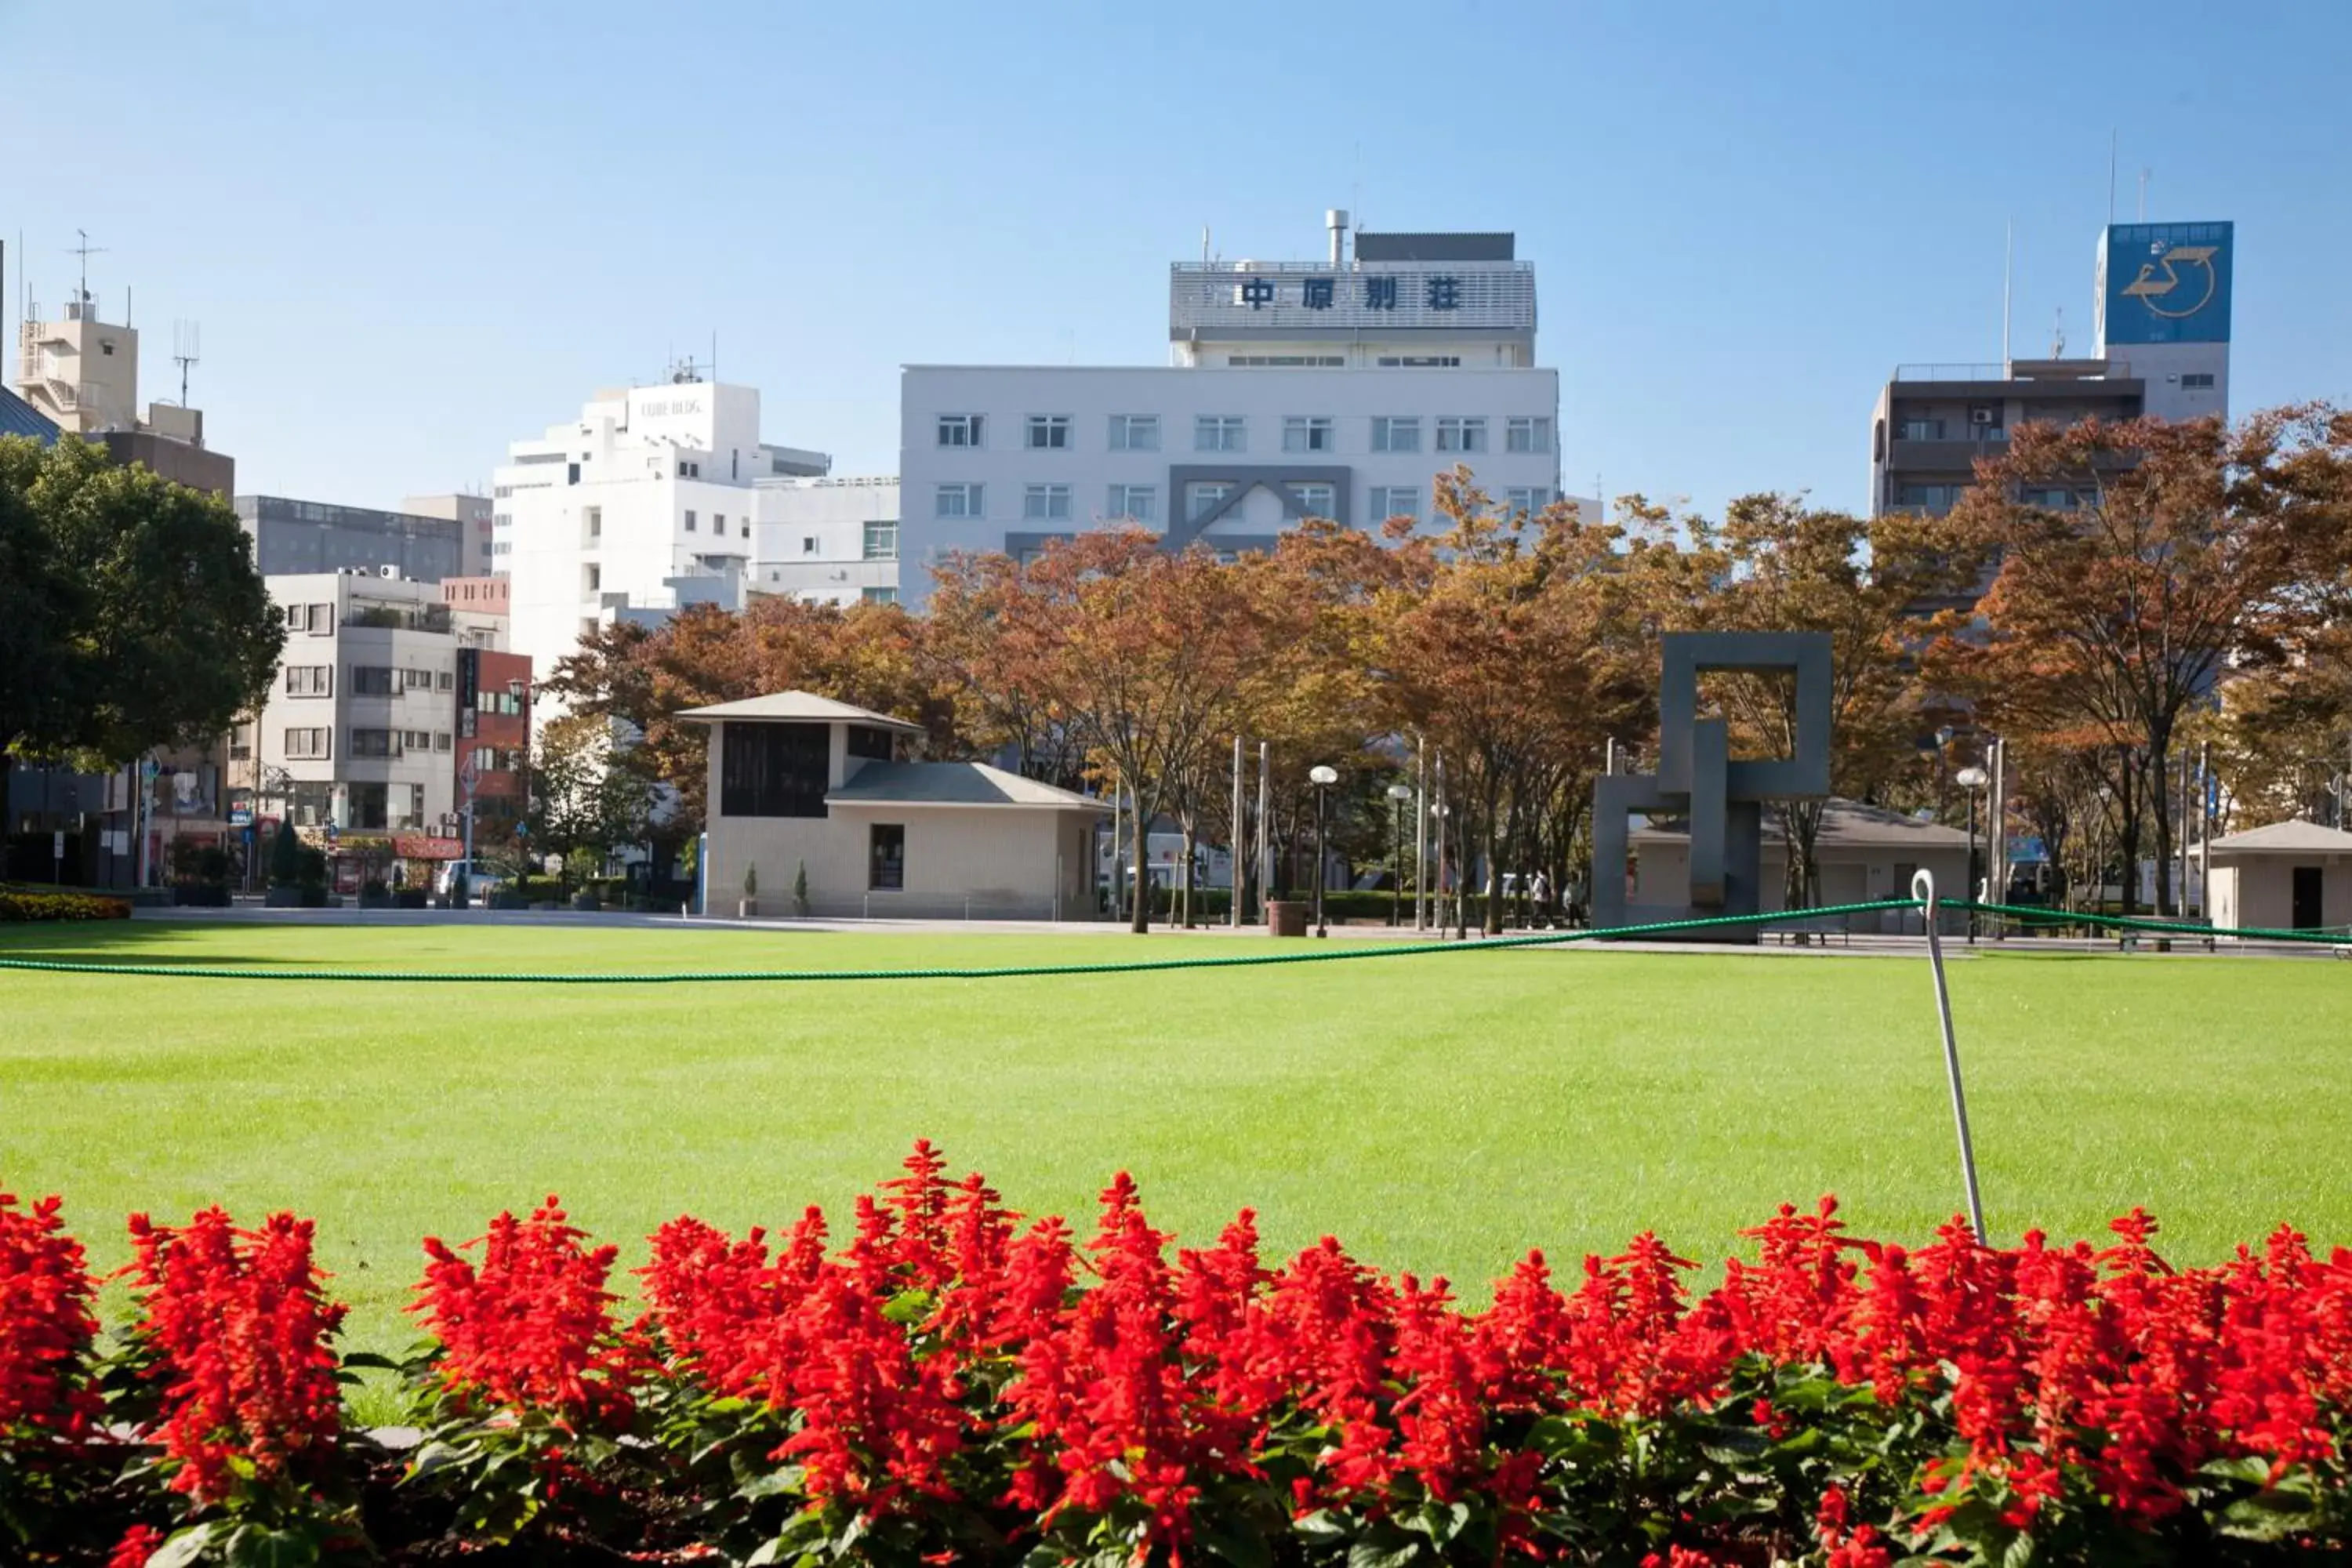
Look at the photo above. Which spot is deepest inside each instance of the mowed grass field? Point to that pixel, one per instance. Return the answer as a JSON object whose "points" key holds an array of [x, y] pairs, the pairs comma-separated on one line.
{"points": [[1438, 1113]]}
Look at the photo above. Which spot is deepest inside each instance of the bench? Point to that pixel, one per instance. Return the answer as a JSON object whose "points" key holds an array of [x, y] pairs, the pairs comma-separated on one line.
{"points": [[1823, 926]]}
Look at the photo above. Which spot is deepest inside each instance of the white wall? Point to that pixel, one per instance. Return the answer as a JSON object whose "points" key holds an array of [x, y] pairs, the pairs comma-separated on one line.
{"points": [[831, 514], [1262, 398]]}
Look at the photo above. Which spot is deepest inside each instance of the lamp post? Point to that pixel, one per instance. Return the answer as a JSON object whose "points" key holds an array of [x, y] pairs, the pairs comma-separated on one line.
{"points": [[1440, 811], [1972, 778], [1322, 776], [1398, 794]]}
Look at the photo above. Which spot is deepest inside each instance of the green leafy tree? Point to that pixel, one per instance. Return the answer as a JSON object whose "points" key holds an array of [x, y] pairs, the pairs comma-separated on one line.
{"points": [[151, 626], [582, 807], [286, 856]]}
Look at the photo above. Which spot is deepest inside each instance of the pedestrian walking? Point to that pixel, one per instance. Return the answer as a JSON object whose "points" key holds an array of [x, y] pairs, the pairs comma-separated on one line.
{"points": [[1539, 894]]}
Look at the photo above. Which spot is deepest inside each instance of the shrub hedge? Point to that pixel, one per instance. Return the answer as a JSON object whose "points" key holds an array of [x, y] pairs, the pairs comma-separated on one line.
{"points": [[25, 904]]}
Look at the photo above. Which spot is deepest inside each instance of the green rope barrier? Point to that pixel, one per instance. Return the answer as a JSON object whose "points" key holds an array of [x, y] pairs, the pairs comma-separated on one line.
{"points": [[2030, 912], [1339, 955], [1129, 966]]}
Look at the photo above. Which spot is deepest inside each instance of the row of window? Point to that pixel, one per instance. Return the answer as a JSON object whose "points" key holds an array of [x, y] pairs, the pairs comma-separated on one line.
{"points": [[1229, 433], [1140, 503], [1943, 497], [367, 680], [315, 742]]}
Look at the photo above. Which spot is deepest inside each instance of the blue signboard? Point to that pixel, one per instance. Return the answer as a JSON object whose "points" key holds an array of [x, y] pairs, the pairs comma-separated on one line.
{"points": [[2166, 282]]}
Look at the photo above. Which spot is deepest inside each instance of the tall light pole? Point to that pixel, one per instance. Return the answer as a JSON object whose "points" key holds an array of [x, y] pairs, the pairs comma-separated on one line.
{"points": [[1399, 793], [1322, 776], [1972, 778]]}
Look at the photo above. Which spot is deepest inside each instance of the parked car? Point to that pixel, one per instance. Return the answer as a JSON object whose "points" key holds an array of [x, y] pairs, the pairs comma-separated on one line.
{"points": [[482, 877]]}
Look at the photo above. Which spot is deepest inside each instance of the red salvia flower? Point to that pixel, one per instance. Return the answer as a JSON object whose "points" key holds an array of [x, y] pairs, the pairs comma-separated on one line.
{"points": [[242, 1333], [45, 1321]]}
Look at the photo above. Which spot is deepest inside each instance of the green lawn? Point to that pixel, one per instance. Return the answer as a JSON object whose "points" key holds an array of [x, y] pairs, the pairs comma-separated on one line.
{"points": [[1439, 1113]]}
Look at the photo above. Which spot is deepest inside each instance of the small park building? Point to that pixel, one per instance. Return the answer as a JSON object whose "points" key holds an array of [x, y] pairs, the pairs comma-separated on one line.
{"points": [[1864, 853], [802, 787], [2290, 876]]}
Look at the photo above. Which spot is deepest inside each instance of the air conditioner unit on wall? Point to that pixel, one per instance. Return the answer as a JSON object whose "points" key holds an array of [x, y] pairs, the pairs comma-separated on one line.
{"points": [[1980, 415]]}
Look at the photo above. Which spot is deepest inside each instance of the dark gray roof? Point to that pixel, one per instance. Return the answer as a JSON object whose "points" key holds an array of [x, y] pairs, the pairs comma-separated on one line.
{"points": [[18, 417], [951, 783], [1847, 823], [2295, 838], [1435, 246]]}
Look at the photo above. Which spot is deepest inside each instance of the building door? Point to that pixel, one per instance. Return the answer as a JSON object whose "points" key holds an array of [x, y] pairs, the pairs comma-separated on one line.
{"points": [[2306, 898]]}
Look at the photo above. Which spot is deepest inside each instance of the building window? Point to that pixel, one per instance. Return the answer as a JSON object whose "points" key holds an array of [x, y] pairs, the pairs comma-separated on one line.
{"points": [[1920, 430], [1285, 362], [371, 680], [1934, 498], [747, 528], [808, 543], [2197, 381], [689, 521], [2047, 500], [1316, 500], [310, 743], [1045, 502], [718, 523], [1391, 434], [442, 680], [372, 743], [1135, 432], [959, 500], [1455, 434], [886, 858], [1049, 432], [878, 596], [440, 739], [1530, 500], [1526, 434], [1306, 435], [1395, 500], [1217, 433], [773, 770], [959, 429], [1420, 362], [594, 576], [1138, 503], [592, 521], [1201, 499], [309, 680], [881, 541]]}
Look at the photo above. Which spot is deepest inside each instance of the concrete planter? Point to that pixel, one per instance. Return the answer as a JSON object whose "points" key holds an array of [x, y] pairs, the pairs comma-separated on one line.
{"points": [[586, 903], [282, 898], [1287, 917], [376, 901]]}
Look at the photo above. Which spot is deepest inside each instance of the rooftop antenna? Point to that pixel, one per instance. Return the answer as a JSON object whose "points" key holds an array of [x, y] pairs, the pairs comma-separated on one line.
{"points": [[714, 353], [85, 250], [2058, 335], [186, 347], [2111, 174], [1205, 245]]}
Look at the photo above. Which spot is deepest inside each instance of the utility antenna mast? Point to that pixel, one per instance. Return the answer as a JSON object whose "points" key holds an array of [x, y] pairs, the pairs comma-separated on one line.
{"points": [[186, 348], [85, 250]]}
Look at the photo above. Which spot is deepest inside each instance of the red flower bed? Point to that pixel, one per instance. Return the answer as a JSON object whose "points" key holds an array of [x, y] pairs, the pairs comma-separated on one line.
{"points": [[953, 1382]]}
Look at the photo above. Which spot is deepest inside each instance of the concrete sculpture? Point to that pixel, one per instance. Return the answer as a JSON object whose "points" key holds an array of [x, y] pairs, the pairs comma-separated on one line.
{"points": [[1697, 779]]}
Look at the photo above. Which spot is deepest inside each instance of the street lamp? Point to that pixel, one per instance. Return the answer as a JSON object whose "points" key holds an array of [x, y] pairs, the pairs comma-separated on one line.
{"points": [[1972, 778], [1440, 811], [1322, 776], [1399, 793]]}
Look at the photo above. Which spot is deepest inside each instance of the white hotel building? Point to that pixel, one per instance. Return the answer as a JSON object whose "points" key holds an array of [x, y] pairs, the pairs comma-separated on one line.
{"points": [[1338, 389], [643, 505]]}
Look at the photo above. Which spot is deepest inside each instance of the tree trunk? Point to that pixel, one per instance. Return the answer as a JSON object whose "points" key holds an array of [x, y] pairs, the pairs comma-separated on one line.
{"points": [[1184, 881], [2160, 779], [1140, 920]]}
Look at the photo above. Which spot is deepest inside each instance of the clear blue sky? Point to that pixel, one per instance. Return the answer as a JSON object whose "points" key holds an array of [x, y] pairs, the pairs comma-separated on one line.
{"points": [[415, 233]]}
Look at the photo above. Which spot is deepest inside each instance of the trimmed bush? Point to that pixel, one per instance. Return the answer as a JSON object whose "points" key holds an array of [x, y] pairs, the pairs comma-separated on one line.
{"points": [[24, 904]]}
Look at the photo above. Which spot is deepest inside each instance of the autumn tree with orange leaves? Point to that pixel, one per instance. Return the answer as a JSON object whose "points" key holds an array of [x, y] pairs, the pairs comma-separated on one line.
{"points": [[2139, 564]]}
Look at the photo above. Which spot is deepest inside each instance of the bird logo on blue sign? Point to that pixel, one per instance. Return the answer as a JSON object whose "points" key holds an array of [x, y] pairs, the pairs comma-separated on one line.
{"points": [[2161, 279]]}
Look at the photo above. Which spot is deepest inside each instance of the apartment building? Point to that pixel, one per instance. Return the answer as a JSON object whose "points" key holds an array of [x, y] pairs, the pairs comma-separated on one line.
{"points": [[1339, 388], [827, 540], [643, 505], [472, 515], [2162, 348], [362, 725]]}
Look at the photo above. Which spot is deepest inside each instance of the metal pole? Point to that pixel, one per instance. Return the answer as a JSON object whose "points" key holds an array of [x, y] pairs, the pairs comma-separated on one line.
{"points": [[1923, 887], [1265, 822], [1396, 861], [1438, 810], [1997, 835], [1322, 927], [1234, 858], [2205, 830], [2180, 902], [1421, 838], [1972, 868]]}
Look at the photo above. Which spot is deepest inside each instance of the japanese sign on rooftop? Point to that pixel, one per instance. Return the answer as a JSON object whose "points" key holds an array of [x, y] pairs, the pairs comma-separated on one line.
{"points": [[1269, 299]]}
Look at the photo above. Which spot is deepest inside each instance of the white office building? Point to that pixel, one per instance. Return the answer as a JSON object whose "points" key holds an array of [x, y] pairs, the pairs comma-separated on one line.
{"points": [[643, 505], [1339, 388], [827, 540]]}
